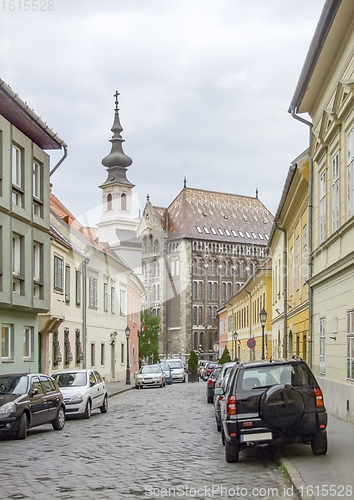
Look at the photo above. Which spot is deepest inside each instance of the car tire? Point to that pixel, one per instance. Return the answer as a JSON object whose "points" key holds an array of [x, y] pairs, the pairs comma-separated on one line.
{"points": [[218, 425], [22, 427], [210, 399], [87, 413], [184, 380], [232, 451], [222, 436], [104, 407], [59, 423], [319, 443], [282, 407]]}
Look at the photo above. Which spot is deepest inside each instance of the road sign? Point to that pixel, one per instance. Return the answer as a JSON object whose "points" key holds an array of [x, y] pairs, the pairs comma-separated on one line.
{"points": [[251, 343]]}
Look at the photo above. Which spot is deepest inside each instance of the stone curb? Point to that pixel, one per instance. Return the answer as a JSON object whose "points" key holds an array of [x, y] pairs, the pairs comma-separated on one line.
{"points": [[120, 391], [296, 479]]}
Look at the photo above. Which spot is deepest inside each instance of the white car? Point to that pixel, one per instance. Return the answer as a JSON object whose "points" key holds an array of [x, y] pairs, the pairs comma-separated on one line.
{"points": [[177, 370], [83, 391], [150, 376]]}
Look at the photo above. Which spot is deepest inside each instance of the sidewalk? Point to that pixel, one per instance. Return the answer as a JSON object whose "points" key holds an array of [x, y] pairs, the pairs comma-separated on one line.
{"points": [[313, 475], [114, 388]]}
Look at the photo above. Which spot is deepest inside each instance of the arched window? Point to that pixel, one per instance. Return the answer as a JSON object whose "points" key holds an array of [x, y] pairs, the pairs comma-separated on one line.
{"points": [[173, 268], [109, 202], [177, 267], [123, 201]]}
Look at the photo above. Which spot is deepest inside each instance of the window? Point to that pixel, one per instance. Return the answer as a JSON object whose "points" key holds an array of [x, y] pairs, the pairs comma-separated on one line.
{"points": [[17, 175], [335, 193], [28, 342], [241, 234], [109, 202], [105, 296], [7, 342], [221, 231], [291, 271], [199, 229], [248, 234], [213, 230], [58, 273], [206, 230], [297, 263], [350, 345], [260, 236], [200, 315], [67, 284], [323, 207], [123, 301], [350, 175], [322, 346], [57, 358], [113, 300], [122, 353], [18, 284], [123, 202], [68, 357], [79, 355], [234, 232], [304, 254], [200, 290], [227, 232], [78, 287], [92, 291], [254, 236], [102, 353], [93, 354], [37, 188], [37, 270]]}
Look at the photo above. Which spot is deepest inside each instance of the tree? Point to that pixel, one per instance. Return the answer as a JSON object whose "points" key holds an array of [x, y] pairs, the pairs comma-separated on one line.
{"points": [[149, 336], [225, 358], [193, 362]]}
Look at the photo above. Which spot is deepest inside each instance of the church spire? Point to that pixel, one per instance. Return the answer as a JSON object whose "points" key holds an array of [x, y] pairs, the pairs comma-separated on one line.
{"points": [[117, 161]]}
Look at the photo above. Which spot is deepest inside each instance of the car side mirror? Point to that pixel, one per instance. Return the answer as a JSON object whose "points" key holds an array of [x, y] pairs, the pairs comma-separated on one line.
{"points": [[34, 392], [219, 391]]}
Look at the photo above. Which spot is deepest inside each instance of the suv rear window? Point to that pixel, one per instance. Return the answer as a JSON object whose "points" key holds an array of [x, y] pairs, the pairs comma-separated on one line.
{"points": [[175, 364], [265, 376]]}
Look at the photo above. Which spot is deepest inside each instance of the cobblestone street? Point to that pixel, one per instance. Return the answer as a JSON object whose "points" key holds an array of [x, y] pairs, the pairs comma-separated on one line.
{"points": [[152, 443]]}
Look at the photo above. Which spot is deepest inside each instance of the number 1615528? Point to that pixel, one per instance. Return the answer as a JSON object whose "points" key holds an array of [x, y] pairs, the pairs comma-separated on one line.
{"points": [[27, 5]]}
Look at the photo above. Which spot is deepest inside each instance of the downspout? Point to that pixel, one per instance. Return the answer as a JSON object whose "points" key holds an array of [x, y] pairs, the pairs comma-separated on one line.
{"points": [[60, 161], [310, 209], [84, 308], [285, 292], [250, 316]]}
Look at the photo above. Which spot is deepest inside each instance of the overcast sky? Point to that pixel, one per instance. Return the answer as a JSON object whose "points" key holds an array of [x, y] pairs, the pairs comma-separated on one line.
{"points": [[204, 85]]}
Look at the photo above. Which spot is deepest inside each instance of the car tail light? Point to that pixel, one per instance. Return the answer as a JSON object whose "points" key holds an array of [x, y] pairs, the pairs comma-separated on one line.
{"points": [[210, 381], [231, 405], [319, 397], [218, 403]]}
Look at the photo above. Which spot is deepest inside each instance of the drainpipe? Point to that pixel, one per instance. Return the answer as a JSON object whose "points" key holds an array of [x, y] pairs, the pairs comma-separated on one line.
{"points": [[84, 308], [60, 161], [285, 292], [310, 207]]}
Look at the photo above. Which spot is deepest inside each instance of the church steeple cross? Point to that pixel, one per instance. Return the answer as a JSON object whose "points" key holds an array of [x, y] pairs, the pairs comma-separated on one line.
{"points": [[116, 96]]}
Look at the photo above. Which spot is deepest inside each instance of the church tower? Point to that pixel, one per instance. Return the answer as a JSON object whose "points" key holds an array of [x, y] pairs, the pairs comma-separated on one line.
{"points": [[117, 226]]}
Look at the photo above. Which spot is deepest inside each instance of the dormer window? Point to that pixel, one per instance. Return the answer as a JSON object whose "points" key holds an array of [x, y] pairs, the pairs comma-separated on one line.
{"points": [[123, 202], [109, 202]]}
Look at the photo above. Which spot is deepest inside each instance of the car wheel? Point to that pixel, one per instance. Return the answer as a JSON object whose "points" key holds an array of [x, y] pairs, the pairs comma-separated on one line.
{"points": [[210, 399], [59, 422], [87, 413], [22, 427], [104, 407], [184, 379], [282, 407], [218, 425], [232, 451], [319, 443]]}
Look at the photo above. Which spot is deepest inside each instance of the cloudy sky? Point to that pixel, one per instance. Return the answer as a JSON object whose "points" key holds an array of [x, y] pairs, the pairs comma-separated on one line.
{"points": [[204, 86]]}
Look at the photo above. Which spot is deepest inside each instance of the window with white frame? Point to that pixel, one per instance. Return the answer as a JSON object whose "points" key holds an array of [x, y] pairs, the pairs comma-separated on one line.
{"points": [[123, 301], [18, 282], [17, 176], [105, 296], [58, 273], [298, 263], [102, 353], [350, 174], [304, 255], [291, 271], [350, 345], [93, 291], [67, 284], [93, 354], [335, 192], [78, 287], [7, 342], [28, 342], [323, 208], [113, 299], [37, 188], [37, 270], [322, 346]]}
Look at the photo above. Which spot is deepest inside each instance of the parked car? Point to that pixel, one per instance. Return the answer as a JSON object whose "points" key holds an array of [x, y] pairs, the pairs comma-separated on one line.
{"points": [[177, 369], [218, 399], [209, 367], [150, 376], [167, 372], [28, 400], [201, 366], [211, 383], [272, 402], [223, 376], [84, 390]]}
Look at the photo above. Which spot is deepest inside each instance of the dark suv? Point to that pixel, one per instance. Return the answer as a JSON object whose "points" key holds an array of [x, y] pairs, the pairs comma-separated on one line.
{"points": [[272, 402]]}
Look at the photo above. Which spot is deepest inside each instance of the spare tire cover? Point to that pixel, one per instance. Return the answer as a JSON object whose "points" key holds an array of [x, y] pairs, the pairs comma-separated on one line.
{"points": [[282, 407]]}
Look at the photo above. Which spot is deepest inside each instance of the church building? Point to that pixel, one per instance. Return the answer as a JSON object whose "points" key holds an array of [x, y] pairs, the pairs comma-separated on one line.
{"points": [[197, 253]]}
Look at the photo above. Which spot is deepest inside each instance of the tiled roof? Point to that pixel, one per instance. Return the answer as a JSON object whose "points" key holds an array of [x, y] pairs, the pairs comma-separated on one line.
{"points": [[90, 235], [209, 215]]}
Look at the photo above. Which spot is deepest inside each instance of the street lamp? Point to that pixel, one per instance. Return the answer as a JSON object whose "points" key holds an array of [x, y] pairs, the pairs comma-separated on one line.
{"points": [[263, 319], [127, 333], [235, 339]]}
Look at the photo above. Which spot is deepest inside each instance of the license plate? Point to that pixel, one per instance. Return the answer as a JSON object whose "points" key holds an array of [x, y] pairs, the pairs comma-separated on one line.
{"points": [[260, 436]]}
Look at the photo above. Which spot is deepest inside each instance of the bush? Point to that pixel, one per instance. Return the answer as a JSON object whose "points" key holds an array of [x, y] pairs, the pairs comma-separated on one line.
{"points": [[225, 358], [193, 363]]}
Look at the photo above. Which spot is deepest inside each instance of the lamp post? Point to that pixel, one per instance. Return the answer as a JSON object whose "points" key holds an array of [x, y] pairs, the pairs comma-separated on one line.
{"points": [[235, 339], [127, 333], [263, 318]]}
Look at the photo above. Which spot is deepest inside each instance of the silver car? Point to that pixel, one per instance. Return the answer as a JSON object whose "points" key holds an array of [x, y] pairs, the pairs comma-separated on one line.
{"points": [[83, 391], [150, 376]]}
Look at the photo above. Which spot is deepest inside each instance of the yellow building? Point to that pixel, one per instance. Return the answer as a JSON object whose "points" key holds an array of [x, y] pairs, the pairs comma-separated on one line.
{"points": [[288, 246], [326, 92], [243, 311]]}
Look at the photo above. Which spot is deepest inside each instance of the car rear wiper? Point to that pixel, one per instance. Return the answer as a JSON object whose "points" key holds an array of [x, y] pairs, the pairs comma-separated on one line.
{"points": [[262, 386]]}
